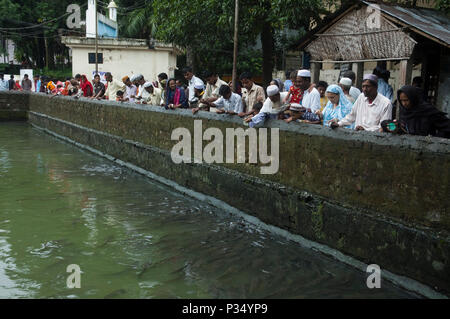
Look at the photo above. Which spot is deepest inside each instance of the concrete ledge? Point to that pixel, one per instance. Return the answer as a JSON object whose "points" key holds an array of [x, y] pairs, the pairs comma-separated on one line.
{"points": [[14, 105]]}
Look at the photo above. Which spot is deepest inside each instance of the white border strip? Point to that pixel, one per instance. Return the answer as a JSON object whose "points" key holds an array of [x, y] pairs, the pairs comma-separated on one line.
{"points": [[401, 281]]}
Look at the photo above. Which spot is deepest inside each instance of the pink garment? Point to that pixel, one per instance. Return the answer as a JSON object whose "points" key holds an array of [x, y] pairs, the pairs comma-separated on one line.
{"points": [[176, 97]]}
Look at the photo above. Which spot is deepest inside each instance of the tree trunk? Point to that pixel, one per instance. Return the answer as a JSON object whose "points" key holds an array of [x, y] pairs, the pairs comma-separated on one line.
{"points": [[267, 48], [190, 58], [46, 53]]}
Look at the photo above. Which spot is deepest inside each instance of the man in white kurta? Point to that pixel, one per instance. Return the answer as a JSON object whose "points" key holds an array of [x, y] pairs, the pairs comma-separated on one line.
{"points": [[370, 109], [311, 96], [113, 87], [151, 95]]}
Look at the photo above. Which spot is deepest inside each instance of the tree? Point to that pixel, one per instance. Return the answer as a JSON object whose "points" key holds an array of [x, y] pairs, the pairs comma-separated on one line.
{"points": [[33, 26], [205, 25], [135, 19]]}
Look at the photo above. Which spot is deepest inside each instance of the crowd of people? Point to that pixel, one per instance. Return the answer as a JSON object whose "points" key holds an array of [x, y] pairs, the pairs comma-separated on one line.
{"points": [[295, 100]]}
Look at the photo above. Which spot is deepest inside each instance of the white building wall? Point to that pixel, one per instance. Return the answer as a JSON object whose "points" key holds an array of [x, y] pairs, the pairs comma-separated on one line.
{"points": [[121, 62]]}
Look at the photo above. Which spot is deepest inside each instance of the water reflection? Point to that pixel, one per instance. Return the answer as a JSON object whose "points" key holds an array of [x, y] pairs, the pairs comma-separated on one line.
{"points": [[134, 238]]}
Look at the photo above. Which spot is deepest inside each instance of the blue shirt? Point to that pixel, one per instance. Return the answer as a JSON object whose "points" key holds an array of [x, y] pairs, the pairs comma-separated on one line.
{"points": [[385, 89], [233, 104], [4, 85], [287, 85], [38, 86]]}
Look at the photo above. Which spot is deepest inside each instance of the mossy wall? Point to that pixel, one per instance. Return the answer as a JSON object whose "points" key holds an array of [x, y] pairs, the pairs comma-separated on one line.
{"points": [[406, 178]]}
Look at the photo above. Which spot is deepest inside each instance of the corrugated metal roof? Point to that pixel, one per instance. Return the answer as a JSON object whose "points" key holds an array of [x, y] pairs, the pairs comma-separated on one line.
{"points": [[432, 22]]}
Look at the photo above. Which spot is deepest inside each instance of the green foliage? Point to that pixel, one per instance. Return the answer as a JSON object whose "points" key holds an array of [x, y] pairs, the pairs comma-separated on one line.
{"points": [[135, 18], [443, 5], [59, 74], [21, 17]]}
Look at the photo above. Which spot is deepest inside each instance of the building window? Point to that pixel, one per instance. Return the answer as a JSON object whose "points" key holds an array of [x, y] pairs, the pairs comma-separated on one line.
{"points": [[92, 58]]}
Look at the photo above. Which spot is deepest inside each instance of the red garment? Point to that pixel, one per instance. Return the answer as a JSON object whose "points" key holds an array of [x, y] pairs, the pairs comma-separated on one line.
{"points": [[296, 94], [86, 86]]}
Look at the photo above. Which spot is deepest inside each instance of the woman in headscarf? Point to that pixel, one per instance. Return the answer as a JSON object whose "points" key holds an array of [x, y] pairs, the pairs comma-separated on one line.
{"points": [[175, 97], [419, 117], [86, 86], [338, 105]]}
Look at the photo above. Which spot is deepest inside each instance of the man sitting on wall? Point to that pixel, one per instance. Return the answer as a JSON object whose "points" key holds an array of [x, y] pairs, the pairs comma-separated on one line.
{"points": [[369, 110]]}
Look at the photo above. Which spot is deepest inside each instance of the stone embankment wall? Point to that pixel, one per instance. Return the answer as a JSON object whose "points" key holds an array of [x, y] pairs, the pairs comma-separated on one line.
{"points": [[380, 198]]}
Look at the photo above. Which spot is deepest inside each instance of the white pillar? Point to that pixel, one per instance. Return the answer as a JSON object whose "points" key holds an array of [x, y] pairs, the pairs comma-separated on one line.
{"points": [[112, 7], [90, 19]]}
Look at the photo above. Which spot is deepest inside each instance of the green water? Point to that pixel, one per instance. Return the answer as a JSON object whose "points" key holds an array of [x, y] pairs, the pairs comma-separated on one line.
{"points": [[134, 238]]}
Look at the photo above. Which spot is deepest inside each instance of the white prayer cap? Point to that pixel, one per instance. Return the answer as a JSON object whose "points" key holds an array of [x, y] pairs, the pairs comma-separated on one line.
{"points": [[148, 84], [272, 90], [133, 78], [138, 77], [370, 77], [199, 85], [304, 73], [346, 81]]}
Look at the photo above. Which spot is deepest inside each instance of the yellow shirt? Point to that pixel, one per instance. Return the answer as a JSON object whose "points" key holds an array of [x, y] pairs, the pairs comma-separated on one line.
{"points": [[250, 98], [113, 87], [152, 98], [323, 103]]}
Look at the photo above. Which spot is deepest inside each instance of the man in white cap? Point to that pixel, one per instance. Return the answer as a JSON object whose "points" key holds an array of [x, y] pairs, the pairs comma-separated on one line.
{"points": [[199, 92], [311, 96], [354, 91], [151, 94], [346, 84], [369, 110], [272, 107]]}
